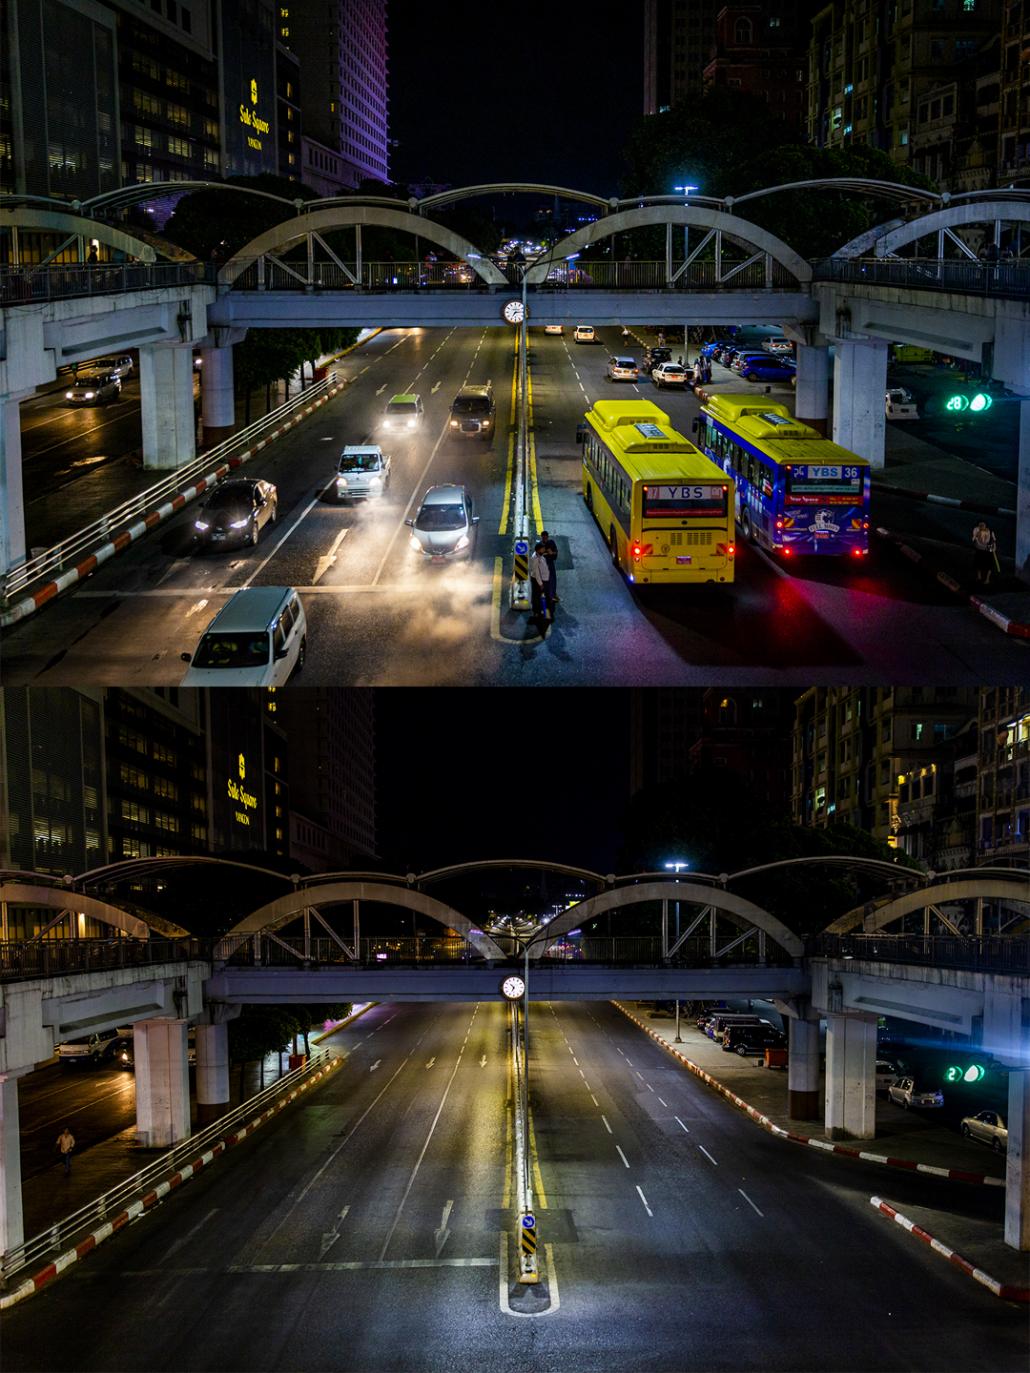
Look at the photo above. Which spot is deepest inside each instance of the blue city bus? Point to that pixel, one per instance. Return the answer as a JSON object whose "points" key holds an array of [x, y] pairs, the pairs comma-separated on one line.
{"points": [[798, 493]]}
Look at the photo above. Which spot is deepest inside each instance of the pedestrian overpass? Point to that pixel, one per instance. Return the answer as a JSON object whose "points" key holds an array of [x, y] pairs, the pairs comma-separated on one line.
{"points": [[951, 273]]}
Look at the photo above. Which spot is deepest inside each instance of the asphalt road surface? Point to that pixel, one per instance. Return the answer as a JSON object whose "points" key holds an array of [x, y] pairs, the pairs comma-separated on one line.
{"points": [[367, 1229], [377, 618], [95, 1102]]}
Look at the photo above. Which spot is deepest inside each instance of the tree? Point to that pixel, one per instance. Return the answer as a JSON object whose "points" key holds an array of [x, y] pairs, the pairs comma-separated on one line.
{"points": [[217, 223]]}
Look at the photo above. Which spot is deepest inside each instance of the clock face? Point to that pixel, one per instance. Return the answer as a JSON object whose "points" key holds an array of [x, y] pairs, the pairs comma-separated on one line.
{"points": [[512, 311], [513, 987]]}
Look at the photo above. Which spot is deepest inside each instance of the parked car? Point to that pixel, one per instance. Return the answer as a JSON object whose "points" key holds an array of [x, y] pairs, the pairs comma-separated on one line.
{"points": [[778, 345], [899, 404], [653, 356], [710, 349], [670, 374], [554, 329], [724, 350], [584, 333], [905, 1093], [886, 1074], [403, 412], [236, 512], [623, 369], [767, 368], [743, 356], [258, 638], [363, 471], [719, 1022], [94, 388], [988, 1127], [749, 1039], [445, 527]]}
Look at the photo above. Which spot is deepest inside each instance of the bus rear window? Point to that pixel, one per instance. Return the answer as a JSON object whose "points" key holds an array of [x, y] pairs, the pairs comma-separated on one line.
{"points": [[691, 502], [815, 485]]}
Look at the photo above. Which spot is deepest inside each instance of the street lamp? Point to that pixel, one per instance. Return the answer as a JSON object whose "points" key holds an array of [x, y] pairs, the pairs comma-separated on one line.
{"points": [[686, 241], [677, 866]]}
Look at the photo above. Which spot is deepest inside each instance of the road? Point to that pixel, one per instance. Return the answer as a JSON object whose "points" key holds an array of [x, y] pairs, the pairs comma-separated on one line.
{"points": [[375, 618], [367, 1228], [96, 1103]]}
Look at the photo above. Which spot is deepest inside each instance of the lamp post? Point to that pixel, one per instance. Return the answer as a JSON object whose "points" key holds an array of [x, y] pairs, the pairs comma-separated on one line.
{"points": [[677, 866], [686, 246]]}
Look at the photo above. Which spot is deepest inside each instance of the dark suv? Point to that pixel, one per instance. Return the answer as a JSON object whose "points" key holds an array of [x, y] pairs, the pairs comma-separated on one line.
{"points": [[653, 356], [472, 411]]}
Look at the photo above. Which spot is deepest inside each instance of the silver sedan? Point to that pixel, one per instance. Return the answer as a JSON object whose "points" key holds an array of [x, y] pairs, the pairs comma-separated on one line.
{"points": [[988, 1127]]}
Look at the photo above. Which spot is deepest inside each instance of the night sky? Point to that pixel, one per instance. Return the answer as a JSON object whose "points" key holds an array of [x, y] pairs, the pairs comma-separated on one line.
{"points": [[519, 773], [542, 93]]}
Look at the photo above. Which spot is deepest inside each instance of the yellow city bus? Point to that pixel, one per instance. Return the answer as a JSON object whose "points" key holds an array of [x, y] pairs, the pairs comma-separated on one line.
{"points": [[666, 510]]}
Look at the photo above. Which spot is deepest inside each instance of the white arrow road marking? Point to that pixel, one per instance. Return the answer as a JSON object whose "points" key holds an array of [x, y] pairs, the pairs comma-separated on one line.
{"points": [[329, 1237], [375, 1065], [436, 388], [441, 1234], [431, 1062], [326, 562], [383, 387], [482, 1061]]}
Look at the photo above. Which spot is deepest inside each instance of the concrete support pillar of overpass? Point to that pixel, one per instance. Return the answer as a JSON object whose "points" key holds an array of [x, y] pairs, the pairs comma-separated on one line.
{"points": [[166, 399], [212, 1071], [859, 387], [1011, 365], [162, 1083], [812, 393], [218, 401], [1023, 494], [851, 1076], [1017, 1168], [12, 1222], [12, 496], [802, 1068]]}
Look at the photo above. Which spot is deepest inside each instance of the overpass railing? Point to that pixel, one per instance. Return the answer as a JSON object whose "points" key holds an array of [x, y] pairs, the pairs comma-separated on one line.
{"points": [[27, 285], [25, 959], [129, 1194], [273, 274], [988, 953], [1006, 279]]}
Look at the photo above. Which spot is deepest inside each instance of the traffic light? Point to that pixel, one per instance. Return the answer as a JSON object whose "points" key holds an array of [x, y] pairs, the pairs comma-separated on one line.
{"points": [[976, 403], [973, 1072]]}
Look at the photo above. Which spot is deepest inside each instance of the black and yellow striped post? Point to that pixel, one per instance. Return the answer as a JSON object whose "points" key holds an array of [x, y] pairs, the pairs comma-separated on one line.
{"points": [[520, 598], [528, 1271]]}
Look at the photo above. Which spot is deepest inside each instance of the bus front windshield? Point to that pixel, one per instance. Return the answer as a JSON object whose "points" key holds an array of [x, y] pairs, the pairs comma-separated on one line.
{"points": [[685, 501]]}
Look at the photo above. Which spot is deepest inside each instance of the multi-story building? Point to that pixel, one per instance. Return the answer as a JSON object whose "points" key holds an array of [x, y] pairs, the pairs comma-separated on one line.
{"points": [[678, 39], [288, 109], [1014, 75], [748, 732], [343, 59], [331, 774], [878, 67], [762, 50], [872, 757], [1003, 820], [665, 723]]}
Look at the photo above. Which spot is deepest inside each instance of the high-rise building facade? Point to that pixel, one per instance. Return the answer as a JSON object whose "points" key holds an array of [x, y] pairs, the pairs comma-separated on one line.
{"points": [[343, 60], [1014, 75], [882, 72], [331, 774], [1003, 819], [665, 723], [678, 40], [762, 50]]}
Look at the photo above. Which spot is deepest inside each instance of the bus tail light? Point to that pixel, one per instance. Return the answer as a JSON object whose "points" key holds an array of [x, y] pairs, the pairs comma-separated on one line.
{"points": [[637, 550], [779, 524], [727, 549], [785, 551]]}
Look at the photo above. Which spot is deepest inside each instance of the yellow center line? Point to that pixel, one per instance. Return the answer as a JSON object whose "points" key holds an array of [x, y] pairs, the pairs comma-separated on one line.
{"points": [[506, 503], [533, 487], [509, 1163], [495, 610], [539, 1195]]}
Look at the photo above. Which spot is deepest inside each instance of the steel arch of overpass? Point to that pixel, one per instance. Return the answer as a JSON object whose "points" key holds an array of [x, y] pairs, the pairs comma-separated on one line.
{"points": [[884, 240], [65, 902], [1014, 887]]}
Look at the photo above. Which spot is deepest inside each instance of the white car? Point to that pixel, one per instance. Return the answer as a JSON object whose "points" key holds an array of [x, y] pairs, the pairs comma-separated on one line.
{"points": [[886, 1074], [899, 405], [90, 1050], [584, 333], [119, 366], [554, 329], [445, 527], [671, 374], [623, 369], [258, 638], [363, 471], [904, 1093], [990, 1128]]}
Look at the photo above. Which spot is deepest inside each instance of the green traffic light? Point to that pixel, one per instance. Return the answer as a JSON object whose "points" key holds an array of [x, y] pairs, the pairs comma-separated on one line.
{"points": [[956, 403], [980, 402], [975, 1072]]}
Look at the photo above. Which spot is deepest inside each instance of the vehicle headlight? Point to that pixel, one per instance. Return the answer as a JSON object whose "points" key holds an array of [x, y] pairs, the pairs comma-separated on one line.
{"points": [[454, 424], [341, 481], [375, 481], [411, 424], [201, 524], [240, 524], [69, 395], [88, 395], [415, 543], [463, 542]]}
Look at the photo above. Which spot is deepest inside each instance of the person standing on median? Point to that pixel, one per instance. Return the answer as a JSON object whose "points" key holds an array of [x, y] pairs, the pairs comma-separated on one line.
{"points": [[540, 586], [65, 1145], [551, 554], [985, 553]]}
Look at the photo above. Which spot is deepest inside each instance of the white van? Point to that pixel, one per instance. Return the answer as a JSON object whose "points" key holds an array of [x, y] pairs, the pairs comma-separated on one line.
{"points": [[258, 638]]}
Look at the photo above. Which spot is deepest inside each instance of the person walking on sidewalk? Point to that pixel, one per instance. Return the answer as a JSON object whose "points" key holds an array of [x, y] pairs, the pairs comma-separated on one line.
{"points": [[551, 554], [985, 553], [65, 1145]]}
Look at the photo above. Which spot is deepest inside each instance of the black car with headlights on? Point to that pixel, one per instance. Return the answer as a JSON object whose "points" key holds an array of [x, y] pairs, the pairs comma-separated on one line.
{"points": [[235, 513], [472, 411]]}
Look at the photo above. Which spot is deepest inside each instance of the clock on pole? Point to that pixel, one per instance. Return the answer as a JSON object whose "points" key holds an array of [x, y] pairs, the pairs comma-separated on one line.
{"points": [[513, 987], [513, 311]]}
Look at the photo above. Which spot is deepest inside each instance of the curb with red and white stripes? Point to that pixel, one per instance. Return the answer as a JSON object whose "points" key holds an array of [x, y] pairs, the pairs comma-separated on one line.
{"points": [[22, 609], [1006, 1291], [53, 1270], [956, 502], [1016, 628], [953, 1174]]}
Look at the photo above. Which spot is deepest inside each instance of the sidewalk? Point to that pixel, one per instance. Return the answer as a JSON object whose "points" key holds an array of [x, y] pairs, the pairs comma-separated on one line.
{"points": [[904, 1135], [919, 474]]}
